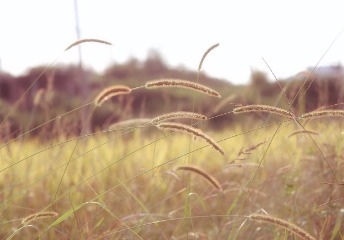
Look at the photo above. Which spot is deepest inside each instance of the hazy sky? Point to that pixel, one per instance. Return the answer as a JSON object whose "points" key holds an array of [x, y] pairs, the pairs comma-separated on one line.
{"points": [[290, 35]]}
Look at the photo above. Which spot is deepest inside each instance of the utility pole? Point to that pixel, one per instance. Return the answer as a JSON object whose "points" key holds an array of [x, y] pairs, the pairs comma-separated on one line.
{"points": [[77, 29], [82, 82]]}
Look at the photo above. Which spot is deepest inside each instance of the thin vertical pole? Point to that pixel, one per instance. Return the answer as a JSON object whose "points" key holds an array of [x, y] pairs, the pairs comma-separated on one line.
{"points": [[82, 83]]}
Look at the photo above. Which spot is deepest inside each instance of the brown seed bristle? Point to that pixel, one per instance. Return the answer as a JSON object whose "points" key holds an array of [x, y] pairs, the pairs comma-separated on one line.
{"points": [[178, 115], [284, 224], [204, 174], [190, 130], [182, 84], [110, 92], [87, 40], [323, 113], [205, 54], [39, 215], [264, 108]]}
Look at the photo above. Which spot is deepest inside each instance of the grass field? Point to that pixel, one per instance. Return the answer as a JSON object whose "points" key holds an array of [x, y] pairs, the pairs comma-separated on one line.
{"points": [[130, 188]]}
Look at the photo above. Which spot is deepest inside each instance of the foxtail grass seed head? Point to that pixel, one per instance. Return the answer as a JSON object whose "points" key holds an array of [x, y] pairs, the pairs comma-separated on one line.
{"points": [[264, 108], [182, 84], [87, 40], [39, 215], [178, 115], [284, 224], [178, 127], [136, 122], [205, 54], [323, 113], [110, 92], [252, 148], [204, 174]]}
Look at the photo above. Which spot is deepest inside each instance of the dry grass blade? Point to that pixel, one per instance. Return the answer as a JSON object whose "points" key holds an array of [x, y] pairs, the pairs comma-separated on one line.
{"points": [[178, 115], [110, 92], [182, 84], [39, 215], [38, 96], [190, 130], [223, 103], [302, 131], [87, 40], [205, 54], [264, 108], [323, 113], [204, 174], [284, 224]]}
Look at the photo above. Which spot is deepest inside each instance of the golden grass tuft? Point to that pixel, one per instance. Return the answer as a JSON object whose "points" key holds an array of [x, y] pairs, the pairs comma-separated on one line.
{"points": [[178, 115], [178, 127], [264, 108], [323, 113], [38, 216], [213, 181], [87, 40], [284, 224], [182, 84], [110, 92]]}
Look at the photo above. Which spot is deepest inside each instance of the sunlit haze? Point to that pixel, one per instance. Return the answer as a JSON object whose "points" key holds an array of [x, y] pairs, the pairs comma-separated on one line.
{"points": [[290, 35]]}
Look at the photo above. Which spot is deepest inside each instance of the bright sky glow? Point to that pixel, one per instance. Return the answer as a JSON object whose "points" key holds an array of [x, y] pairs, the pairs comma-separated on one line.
{"points": [[290, 35]]}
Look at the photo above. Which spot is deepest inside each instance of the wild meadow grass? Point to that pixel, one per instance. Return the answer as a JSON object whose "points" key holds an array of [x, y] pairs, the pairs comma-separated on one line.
{"points": [[276, 176], [124, 188]]}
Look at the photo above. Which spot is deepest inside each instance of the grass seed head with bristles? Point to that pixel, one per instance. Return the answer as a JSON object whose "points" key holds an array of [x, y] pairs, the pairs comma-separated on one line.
{"points": [[136, 122], [323, 113], [249, 150], [182, 84], [178, 115], [110, 92], [178, 127], [86, 40], [284, 224], [204, 174], [205, 54], [39, 215], [264, 108]]}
